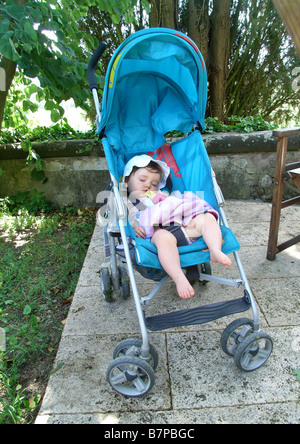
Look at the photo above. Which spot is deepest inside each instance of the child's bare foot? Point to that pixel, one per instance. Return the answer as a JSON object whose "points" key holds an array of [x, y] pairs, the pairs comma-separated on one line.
{"points": [[184, 288], [220, 257]]}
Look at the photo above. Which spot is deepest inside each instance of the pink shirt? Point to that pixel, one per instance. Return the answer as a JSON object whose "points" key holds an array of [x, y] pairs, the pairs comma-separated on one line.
{"points": [[163, 209]]}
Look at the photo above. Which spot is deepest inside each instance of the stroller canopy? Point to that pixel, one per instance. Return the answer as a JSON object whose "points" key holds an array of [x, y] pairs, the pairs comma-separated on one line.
{"points": [[156, 82]]}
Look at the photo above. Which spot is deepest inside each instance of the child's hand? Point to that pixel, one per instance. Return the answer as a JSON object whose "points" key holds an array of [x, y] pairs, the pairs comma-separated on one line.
{"points": [[137, 195], [139, 231]]}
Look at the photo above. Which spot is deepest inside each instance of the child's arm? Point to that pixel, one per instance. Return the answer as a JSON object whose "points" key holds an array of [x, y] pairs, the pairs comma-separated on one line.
{"points": [[138, 230], [132, 213]]}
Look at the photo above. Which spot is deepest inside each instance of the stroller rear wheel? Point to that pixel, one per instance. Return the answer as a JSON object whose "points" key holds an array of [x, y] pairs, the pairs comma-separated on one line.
{"points": [[132, 347], [124, 282], [130, 376], [234, 334], [106, 285]]}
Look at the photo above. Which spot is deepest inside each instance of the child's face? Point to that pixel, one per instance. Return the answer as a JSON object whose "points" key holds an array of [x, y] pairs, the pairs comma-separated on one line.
{"points": [[143, 180]]}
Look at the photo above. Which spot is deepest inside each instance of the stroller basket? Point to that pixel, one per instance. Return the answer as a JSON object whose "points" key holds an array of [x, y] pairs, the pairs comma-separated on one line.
{"points": [[156, 82]]}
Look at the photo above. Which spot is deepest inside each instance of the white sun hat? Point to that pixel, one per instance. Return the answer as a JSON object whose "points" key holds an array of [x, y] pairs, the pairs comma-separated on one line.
{"points": [[142, 161]]}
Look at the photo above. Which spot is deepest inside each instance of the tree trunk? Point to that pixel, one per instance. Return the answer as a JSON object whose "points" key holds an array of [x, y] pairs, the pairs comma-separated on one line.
{"points": [[219, 56], [198, 25], [8, 70], [164, 14]]}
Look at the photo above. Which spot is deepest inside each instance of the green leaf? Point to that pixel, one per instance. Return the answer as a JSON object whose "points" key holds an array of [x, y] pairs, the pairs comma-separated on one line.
{"points": [[55, 90], [37, 16], [32, 71], [34, 155], [26, 145], [55, 116], [4, 25], [14, 11], [28, 28], [37, 175], [52, 26], [7, 48], [28, 105], [39, 165], [297, 373], [50, 105], [32, 89], [115, 18], [58, 367], [27, 47], [27, 310]]}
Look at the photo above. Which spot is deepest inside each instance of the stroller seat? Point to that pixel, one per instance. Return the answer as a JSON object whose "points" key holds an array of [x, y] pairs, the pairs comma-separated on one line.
{"points": [[193, 254]]}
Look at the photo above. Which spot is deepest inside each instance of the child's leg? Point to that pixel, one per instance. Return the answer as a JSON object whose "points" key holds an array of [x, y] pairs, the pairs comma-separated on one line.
{"points": [[168, 256], [206, 225]]}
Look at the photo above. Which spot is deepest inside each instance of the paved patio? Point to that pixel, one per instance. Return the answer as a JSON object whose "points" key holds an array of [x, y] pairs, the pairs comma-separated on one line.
{"points": [[195, 381]]}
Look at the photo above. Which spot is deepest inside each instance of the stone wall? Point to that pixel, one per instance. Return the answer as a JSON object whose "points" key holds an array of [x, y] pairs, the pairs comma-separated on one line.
{"points": [[244, 165]]}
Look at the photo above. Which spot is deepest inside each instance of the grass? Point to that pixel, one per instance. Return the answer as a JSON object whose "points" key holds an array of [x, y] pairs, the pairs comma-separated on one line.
{"points": [[41, 258]]}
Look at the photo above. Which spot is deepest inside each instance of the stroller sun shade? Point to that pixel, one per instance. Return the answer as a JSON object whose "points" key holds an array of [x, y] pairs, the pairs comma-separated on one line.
{"points": [[156, 82]]}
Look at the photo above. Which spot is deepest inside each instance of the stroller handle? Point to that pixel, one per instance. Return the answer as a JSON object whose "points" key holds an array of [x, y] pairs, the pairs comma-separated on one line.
{"points": [[93, 63]]}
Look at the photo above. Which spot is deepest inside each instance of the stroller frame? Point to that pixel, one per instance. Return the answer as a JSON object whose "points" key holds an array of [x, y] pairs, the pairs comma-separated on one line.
{"points": [[131, 373]]}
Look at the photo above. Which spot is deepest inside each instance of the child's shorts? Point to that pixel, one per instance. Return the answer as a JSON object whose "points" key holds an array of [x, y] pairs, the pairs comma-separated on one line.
{"points": [[178, 232]]}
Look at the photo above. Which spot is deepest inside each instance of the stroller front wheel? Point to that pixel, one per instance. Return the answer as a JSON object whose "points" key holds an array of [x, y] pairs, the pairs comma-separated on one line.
{"points": [[253, 351], [132, 347], [130, 376]]}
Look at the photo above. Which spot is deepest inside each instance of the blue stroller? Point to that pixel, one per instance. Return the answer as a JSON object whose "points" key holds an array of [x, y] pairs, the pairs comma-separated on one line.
{"points": [[156, 82]]}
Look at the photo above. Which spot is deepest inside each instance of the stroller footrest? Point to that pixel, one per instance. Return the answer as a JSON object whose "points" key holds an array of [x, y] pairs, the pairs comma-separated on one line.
{"points": [[197, 315]]}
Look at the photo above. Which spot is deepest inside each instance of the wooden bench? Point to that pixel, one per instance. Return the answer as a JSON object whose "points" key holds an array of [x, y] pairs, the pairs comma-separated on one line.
{"points": [[283, 172]]}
